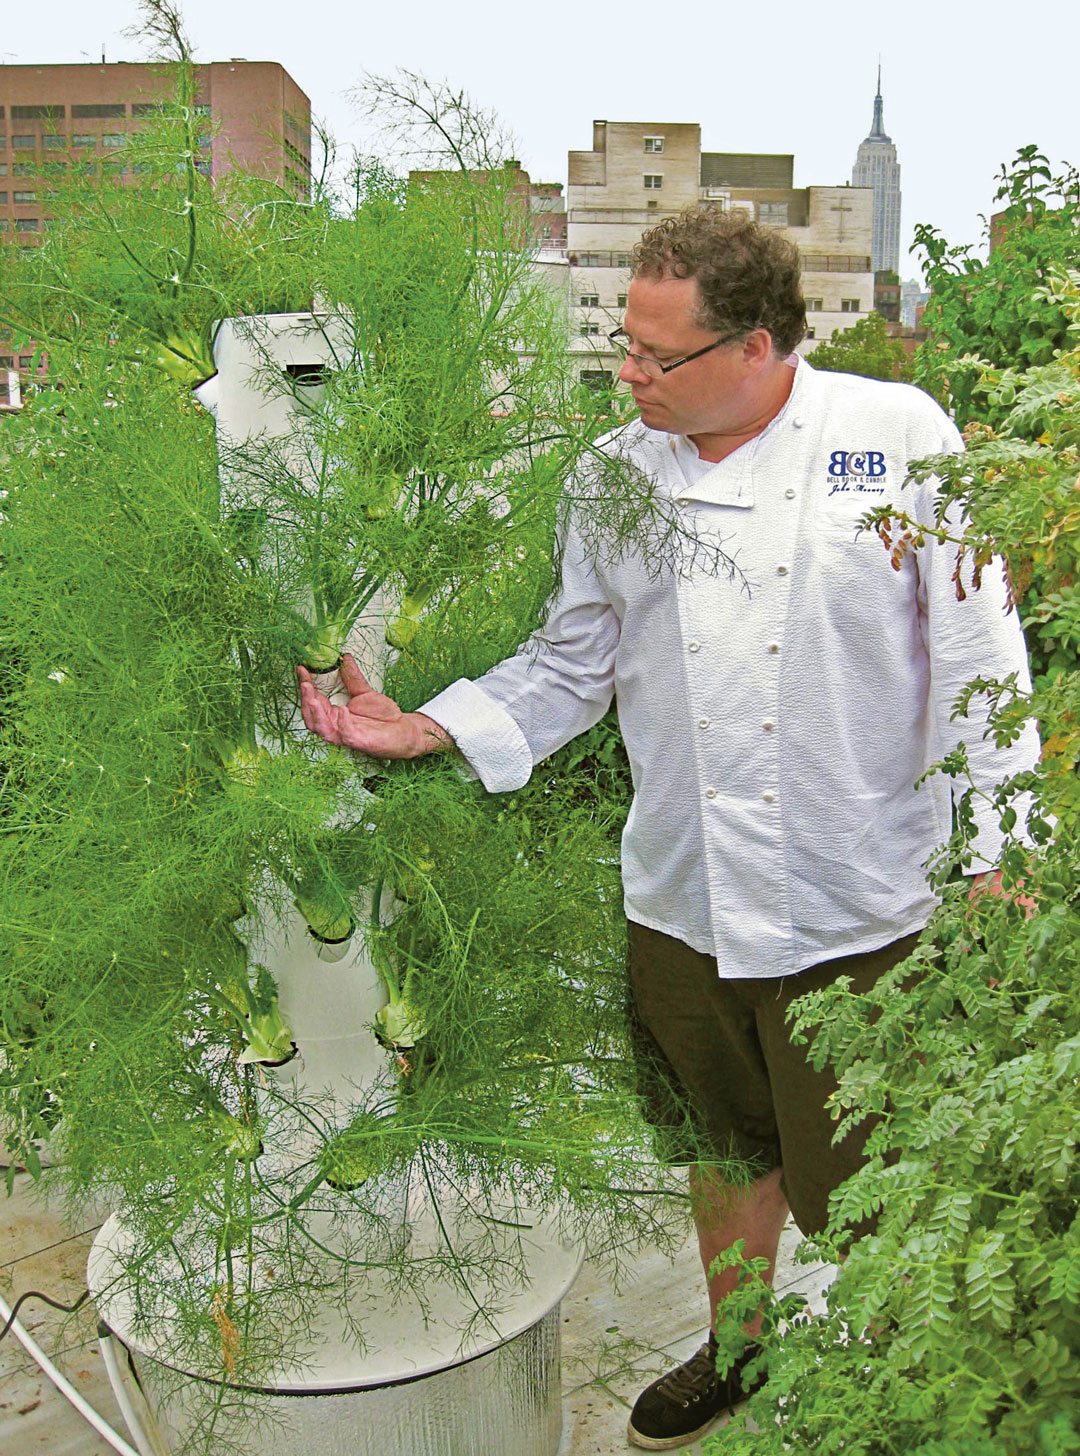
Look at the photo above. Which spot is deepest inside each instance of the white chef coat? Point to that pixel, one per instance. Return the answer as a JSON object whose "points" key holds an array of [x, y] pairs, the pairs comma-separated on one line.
{"points": [[775, 724]]}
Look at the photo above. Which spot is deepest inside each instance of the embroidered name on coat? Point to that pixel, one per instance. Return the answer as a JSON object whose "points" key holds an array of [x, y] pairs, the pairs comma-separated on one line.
{"points": [[860, 472]]}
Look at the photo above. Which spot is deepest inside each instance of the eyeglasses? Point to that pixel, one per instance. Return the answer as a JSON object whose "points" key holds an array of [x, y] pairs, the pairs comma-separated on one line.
{"points": [[620, 342]]}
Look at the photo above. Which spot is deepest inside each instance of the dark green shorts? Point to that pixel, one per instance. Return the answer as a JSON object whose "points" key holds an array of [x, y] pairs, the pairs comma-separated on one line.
{"points": [[719, 1076]]}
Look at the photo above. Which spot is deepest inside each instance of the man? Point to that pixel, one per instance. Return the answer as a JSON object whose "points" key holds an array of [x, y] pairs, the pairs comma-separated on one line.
{"points": [[775, 729]]}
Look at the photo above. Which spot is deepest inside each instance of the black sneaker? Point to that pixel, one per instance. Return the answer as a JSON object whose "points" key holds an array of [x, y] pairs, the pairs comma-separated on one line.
{"points": [[682, 1405]]}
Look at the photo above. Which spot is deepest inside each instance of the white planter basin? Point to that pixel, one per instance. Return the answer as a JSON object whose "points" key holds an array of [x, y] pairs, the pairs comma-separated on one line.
{"points": [[427, 1383]]}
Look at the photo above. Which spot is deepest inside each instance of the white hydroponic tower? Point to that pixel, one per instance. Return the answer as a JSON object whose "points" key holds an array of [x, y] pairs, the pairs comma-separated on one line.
{"points": [[431, 1379]]}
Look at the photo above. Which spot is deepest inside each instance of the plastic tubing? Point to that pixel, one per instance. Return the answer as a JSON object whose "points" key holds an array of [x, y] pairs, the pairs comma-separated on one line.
{"points": [[66, 1389], [148, 1442]]}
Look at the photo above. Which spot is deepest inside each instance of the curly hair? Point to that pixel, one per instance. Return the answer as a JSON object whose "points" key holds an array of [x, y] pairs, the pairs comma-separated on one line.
{"points": [[748, 274]]}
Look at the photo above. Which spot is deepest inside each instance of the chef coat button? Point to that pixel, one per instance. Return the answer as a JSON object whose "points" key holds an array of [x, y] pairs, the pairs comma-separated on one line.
{"points": [[798, 422], [703, 722], [781, 571], [768, 796], [773, 647], [694, 646], [768, 725], [789, 493], [682, 501], [710, 793]]}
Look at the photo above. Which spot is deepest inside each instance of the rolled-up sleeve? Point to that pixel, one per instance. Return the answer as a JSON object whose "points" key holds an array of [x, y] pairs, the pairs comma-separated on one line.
{"points": [[557, 685]]}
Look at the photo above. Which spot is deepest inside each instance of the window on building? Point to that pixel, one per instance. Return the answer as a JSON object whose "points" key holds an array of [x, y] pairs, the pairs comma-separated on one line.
{"points": [[620, 302], [849, 305], [654, 144], [23, 196], [141, 168], [6, 361], [589, 331], [545, 232], [598, 379], [26, 361], [113, 139], [773, 214], [653, 181], [84, 169], [26, 225], [84, 139], [113, 167], [23, 169], [589, 300], [3, 224], [204, 139], [590, 260], [811, 332], [203, 109], [204, 169], [814, 305], [622, 260], [86, 112], [3, 169], [37, 113], [23, 143], [54, 142], [3, 199], [3, 141], [54, 169]]}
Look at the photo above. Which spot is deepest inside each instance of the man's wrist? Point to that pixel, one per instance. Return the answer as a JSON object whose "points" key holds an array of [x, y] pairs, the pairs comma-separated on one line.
{"points": [[431, 737]]}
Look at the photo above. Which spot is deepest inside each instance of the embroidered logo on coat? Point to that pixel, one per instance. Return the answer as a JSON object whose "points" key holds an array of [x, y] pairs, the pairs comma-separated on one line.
{"points": [[860, 472]]}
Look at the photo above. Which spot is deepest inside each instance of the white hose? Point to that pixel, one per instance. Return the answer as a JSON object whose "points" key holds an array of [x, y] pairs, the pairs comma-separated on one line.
{"points": [[147, 1438], [104, 1430]]}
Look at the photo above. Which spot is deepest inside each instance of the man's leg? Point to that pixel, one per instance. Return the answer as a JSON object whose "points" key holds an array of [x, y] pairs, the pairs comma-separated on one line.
{"points": [[705, 1089], [723, 1214], [682, 1405]]}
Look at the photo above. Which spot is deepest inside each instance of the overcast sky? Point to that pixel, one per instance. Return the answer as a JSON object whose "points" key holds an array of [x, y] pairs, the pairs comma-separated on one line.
{"points": [[965, 84]]}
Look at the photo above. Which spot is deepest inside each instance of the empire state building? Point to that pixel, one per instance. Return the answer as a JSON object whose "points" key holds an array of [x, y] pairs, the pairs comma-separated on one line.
{"points": [[876, 166]]}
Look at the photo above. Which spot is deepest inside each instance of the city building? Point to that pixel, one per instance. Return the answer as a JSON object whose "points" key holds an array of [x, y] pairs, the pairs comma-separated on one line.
{"points": [[876, 167], [256, 117], [52, 117], [912, 296], [887, 295], [637, 173], [542, 202]]}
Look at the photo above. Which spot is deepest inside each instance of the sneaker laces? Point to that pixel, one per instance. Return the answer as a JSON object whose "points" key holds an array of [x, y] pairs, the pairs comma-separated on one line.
{"points": [[686, 1380]]}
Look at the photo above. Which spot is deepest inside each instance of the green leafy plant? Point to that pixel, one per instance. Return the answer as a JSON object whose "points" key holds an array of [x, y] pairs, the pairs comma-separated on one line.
{"points": [[865, 349], [1004, 311], [955, 1326], [158, 588]]}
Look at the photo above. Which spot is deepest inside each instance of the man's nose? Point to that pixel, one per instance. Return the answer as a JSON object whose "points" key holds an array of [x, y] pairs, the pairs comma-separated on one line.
{"points": [[632, 371]]}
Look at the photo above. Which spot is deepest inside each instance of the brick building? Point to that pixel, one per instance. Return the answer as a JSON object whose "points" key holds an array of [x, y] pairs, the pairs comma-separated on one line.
{"points": [[56, 117]]}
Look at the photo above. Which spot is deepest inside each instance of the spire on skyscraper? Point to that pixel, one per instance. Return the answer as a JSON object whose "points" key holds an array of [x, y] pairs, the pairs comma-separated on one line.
{"points": [[876, 166], [877, 131]]}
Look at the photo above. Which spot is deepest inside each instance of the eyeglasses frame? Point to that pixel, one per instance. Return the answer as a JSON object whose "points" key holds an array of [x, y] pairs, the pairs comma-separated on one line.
{"points": [[642, 359]]}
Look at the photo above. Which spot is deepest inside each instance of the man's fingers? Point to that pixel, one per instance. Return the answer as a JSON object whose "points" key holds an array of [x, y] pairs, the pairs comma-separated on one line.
{"points": [[355, 681], [370, 722], [318, 713]]}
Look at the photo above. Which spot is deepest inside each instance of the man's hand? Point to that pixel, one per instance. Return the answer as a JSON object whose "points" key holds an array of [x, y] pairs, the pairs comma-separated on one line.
{"points": [[989, 883], [370, 722]]}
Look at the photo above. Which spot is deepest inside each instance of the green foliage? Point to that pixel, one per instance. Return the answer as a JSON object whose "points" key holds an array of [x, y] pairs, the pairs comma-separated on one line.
{"points": [[1006, 312], [955, 1326], [157, 797], [863, 349]]}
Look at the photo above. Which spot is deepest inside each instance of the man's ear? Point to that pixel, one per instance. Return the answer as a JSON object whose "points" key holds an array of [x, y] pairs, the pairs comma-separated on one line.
{"points": [[757, 349]]}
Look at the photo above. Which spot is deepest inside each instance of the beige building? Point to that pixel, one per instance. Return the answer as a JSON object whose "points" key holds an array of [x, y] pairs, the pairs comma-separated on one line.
{"points": [[640, 172]]}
